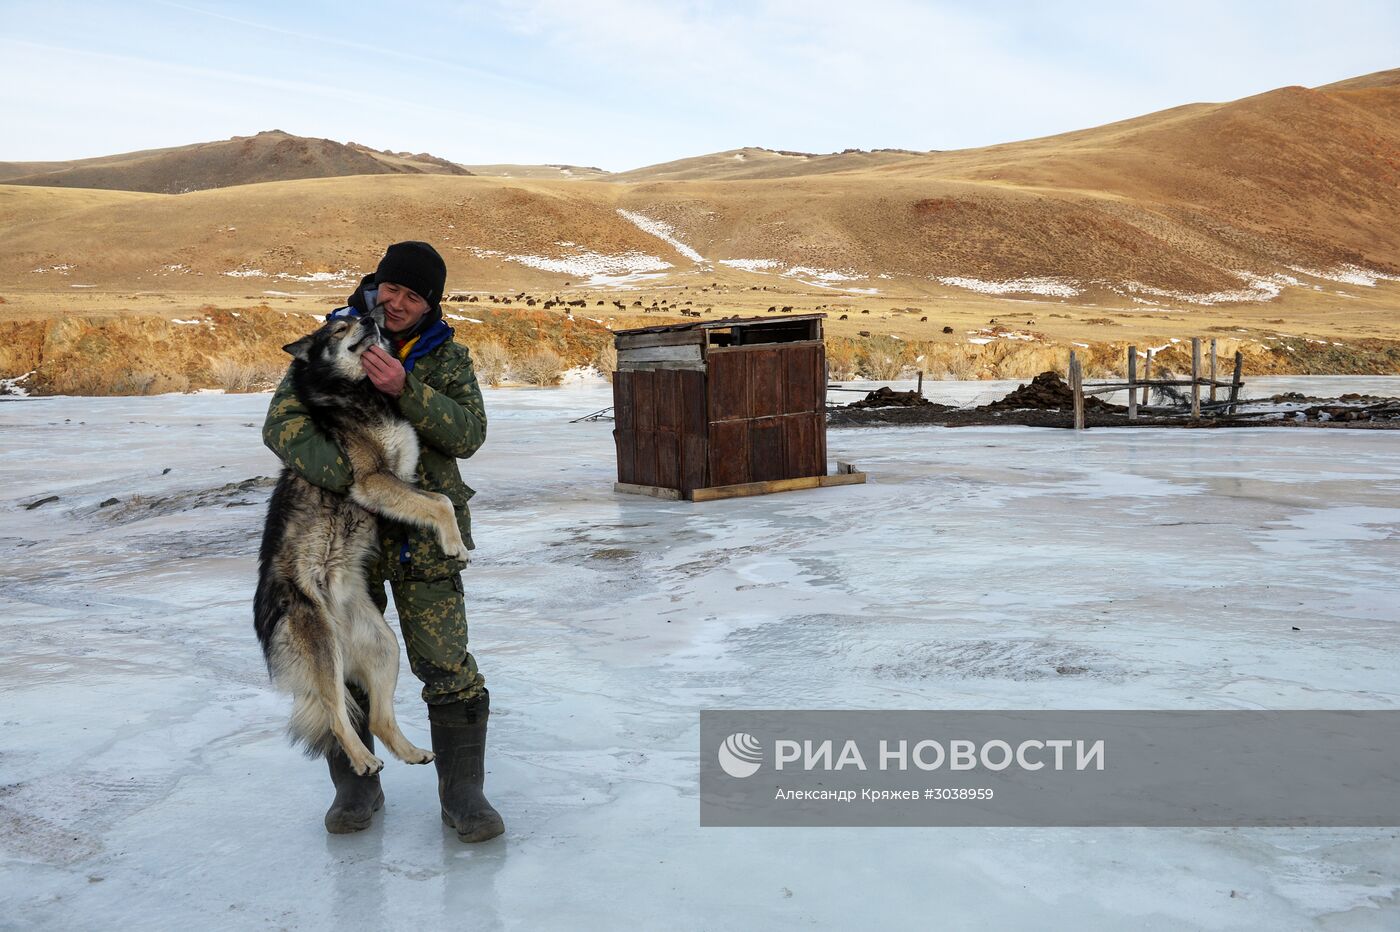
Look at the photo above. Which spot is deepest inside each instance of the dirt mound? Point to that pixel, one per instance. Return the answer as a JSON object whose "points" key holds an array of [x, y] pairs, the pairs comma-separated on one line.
{"points": [[886, 397], [1046, 392]]}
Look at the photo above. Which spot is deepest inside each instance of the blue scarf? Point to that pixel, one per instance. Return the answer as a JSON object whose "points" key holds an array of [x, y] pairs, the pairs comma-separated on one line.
{"points": [[429, 339]]}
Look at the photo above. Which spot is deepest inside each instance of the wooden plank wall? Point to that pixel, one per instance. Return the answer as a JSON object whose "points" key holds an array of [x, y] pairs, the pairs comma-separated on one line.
{"points": [[767, 412], [660, 427]]}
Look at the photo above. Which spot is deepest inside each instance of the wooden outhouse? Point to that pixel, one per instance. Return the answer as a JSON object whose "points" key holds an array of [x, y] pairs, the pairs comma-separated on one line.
{"points": [[719, 408]]}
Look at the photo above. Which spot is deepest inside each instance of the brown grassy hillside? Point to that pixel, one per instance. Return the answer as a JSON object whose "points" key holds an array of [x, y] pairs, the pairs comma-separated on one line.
{"points": [[268, 156], [562, 172], [1268, 220], [754, 163]]}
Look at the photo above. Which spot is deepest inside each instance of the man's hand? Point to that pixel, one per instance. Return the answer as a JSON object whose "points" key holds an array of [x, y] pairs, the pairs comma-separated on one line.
{"points": [[386, 372]]}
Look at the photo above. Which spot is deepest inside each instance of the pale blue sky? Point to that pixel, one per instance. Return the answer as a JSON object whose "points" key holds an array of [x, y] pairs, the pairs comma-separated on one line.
{"points": [[624, 83]]}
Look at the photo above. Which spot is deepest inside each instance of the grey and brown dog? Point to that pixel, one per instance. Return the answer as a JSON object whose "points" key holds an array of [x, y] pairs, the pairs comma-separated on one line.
{"points": [[313, 614]]}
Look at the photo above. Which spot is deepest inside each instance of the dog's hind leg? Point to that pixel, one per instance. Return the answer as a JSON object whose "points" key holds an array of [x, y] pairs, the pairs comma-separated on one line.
{"points": [[326, 673], [376, 653], [362, 760]]}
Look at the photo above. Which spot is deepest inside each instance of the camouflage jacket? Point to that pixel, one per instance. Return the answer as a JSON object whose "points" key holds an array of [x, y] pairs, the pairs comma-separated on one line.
{"points": [[442, 400]]}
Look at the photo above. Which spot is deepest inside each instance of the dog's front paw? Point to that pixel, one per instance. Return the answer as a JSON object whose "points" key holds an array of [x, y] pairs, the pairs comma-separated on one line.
{"points": [[418, 756], [368, 767], [454, 547]]}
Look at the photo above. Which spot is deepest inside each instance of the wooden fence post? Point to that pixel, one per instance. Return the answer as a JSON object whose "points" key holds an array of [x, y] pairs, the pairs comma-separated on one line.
{"points": [[1236, 380], [1132, 383], [1195, 378], [1076, 383], [921, 383], [1212, 370], [1146, 376]]}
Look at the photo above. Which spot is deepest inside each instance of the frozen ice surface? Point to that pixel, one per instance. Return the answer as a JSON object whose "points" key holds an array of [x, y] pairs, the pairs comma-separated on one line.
{"points": [[145, 781]]}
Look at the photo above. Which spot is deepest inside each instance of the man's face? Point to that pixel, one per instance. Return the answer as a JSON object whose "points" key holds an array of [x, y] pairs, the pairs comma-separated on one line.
{"points": [[402, 308]]}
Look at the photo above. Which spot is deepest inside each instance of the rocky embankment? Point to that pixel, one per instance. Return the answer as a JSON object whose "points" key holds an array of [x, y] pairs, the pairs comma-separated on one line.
{"points": [[240, 349]]}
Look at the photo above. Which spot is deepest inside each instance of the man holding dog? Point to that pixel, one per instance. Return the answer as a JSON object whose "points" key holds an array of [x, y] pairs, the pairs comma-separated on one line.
{"points": [[434, 386]]}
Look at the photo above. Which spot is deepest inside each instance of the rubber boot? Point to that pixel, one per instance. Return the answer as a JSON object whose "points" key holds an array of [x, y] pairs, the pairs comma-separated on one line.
{"points": [[357, 798], [459, 743]]}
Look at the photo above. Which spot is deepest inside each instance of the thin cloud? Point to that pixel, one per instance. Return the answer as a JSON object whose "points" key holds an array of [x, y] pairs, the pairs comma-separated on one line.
{"points": [[374, 52], [622, 83]]}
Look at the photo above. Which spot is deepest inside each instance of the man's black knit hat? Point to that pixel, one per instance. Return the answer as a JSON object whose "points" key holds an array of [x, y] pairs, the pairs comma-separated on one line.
{"points": [[416, 266]]}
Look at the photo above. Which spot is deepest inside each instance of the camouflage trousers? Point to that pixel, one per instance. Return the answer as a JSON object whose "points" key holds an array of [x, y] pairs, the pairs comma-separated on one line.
{"points": [[433, 619]]}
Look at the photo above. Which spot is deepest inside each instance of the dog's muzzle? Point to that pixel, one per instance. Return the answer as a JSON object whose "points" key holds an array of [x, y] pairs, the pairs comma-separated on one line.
{"points": [[370, 337]]}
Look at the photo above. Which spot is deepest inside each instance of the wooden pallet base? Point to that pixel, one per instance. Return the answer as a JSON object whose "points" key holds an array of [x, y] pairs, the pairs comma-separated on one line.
{"points": [[845, 474]]}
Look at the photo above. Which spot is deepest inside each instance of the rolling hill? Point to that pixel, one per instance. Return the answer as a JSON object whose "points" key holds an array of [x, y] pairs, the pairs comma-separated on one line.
{"points": [[1274, 214], [755, 163], [269, 156]]}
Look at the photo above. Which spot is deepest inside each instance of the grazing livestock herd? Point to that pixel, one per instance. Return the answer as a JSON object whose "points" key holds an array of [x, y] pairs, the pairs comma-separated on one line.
{"points": [[683, 307]]}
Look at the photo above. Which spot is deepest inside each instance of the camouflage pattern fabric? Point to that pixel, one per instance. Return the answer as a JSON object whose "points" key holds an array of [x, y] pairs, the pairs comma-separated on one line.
{"points": [[433, 619], [442, 400]]}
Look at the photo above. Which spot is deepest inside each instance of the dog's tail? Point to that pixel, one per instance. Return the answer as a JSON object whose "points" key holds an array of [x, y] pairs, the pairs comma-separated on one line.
{"points": [[274, 594], [310, 726], [270, 604]]}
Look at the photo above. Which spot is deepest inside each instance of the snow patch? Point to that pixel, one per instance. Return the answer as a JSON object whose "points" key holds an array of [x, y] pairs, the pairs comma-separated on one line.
{"points": [[13, 388], [662, 231], [827, 278], [824, 275], [1348, 274], [622, 281], [817, 278], [62, 268], [581, 375], [341, 277], [988, 334], [344, 275], [1257, 288], [599, 269], [750, 265], [1050, 287]]}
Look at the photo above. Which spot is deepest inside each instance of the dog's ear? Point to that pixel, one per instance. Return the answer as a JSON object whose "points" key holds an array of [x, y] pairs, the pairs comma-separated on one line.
{"points": [[376, 314], [301, 349]]}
